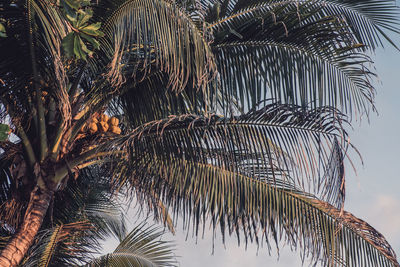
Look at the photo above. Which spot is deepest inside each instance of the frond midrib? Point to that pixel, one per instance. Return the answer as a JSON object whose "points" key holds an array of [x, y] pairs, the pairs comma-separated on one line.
{"points": [[326, 3], [224, 123]]}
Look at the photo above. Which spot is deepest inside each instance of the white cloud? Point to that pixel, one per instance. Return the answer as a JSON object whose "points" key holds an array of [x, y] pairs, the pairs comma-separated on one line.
{"points": [[384, 215], [381, 211]]}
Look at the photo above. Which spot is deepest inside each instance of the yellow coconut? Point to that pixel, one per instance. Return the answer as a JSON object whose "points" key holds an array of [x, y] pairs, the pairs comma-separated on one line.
{"points": [[115, 129], [95, 120], [113, 121], [93, 128], [104, 118], [103, 126]]}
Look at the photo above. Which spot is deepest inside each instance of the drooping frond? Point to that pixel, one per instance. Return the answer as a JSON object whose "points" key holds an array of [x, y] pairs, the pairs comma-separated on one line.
{"points": [[142, 247], [263, 211], [279, 140], [148, 34]]}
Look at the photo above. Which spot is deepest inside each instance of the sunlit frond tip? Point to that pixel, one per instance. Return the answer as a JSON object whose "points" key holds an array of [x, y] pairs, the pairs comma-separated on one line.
{"points": [[355, 243]]}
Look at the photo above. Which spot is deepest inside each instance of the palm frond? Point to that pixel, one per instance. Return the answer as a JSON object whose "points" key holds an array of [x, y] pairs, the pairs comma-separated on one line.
{"points": [[141, 247], [60, 245], [368, 20], [253, 71], [50, 247], [81, 216], [151, 100], [91, 198], [145, 35], [364, 19], [279, 140], [290, 52], [12, 182], [263, 211], [52, 29], [5, 179], [32, 60]]}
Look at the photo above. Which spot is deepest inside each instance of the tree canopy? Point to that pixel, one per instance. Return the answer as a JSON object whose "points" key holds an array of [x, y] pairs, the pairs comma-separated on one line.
{"points": [[234, 112]]}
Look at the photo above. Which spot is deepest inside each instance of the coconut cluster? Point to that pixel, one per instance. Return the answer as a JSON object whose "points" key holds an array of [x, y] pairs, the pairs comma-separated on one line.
{"points": [[101, 123]]}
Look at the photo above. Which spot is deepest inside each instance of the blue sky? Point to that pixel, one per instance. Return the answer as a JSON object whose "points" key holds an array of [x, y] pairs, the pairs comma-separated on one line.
{"points": [[372, 193]]}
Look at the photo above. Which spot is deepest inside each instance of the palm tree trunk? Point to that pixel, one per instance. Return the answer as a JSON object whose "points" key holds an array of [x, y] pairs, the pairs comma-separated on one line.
{"points": [[19, 244]]}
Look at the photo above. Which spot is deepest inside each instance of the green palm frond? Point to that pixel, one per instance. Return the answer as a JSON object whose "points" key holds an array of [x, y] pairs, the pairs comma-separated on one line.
{"points": [[320, 55], [50, 248], [263, 211], [194, 164], [60, 245], [151, 100], [279, 140], [91, 198], [367, 20], [145, 35], [290, 52], [279, 21], [142, 247], [252, 71]]}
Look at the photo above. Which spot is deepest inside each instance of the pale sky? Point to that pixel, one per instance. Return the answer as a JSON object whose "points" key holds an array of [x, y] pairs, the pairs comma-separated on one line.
{"points": [[372, 195]]}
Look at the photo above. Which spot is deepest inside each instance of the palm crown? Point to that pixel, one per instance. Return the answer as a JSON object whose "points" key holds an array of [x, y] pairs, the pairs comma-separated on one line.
{"points": [[230, 111]]}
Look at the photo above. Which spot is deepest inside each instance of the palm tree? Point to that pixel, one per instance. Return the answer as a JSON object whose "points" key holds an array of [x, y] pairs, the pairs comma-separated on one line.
{"points": [[233, 112]]}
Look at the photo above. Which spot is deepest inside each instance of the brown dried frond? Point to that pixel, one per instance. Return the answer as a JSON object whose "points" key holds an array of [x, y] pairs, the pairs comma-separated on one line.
{"points": [[362, 228]]}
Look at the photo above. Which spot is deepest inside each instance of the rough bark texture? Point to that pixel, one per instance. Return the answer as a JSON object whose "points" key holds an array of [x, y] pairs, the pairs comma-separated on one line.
{"points": [[19, 244]]}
